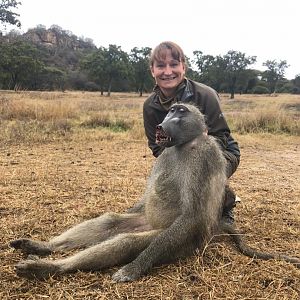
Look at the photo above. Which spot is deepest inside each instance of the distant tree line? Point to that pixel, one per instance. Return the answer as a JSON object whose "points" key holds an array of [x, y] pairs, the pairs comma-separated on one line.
{"points": [[28, 62], [77, 64]]}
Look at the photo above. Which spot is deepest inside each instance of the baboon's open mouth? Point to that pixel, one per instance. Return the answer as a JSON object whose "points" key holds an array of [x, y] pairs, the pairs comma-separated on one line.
{"points": [[161, 137]]}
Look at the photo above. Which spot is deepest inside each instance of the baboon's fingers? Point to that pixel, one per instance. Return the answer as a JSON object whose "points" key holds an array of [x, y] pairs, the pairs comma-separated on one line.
{"points": [[126, 274], [119, 276]]}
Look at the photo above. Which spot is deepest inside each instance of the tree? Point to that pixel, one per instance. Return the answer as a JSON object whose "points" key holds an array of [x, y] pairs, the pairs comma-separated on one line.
{"points": [[139, 59], [275, 73], [248, 80], [6, 15], [108, 65], [236, 64], [117, 64], [52, 78], [95, 65], [203, 62], [224, 72], [20, 61], [296, 84], [206, 65]]}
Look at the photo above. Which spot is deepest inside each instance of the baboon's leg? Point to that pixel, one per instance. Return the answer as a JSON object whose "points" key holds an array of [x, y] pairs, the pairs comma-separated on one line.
{"points": [[121, 249], [85, 234]]}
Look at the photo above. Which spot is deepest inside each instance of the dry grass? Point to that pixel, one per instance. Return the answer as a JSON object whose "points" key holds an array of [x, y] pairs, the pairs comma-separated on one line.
{"points": [[258, 114], [48, 184]]}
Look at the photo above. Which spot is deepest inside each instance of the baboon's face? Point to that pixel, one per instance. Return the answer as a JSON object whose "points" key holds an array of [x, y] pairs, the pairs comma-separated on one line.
{"points": [[182, 124]]}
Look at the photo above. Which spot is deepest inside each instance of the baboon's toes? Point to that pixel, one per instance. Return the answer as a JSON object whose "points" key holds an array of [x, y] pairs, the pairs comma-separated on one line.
{"points": [[17, 244], [28, 246], [35, 269]]}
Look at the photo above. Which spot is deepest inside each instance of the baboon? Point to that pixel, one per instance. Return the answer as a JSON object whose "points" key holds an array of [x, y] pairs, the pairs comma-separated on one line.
{"points": [[180, 212]]}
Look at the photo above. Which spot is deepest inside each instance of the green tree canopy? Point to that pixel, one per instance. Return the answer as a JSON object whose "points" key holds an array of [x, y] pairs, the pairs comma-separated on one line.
{"points": [[275, 72], [95, 64], [20, 60], [139, 59], [7, 16], [236, 64], [223, 71], [108, 64]]}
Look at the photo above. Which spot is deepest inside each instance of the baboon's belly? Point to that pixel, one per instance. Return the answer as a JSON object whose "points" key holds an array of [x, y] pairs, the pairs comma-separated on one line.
{"points": [[162, 205]]}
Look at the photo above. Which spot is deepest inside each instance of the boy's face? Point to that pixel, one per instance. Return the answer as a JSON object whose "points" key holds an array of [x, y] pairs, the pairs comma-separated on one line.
{"points": [[168, 73]]}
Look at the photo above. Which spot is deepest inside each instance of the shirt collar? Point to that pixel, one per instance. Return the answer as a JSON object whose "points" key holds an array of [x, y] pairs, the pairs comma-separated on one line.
{"points": [[183, 92]]}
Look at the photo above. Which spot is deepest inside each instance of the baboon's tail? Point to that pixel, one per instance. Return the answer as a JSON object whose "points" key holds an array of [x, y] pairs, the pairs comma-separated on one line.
{"points": [[248, 251]]}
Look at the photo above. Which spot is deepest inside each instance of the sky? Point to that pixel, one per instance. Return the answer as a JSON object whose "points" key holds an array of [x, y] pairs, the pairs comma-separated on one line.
{"points": [[268, 29]]}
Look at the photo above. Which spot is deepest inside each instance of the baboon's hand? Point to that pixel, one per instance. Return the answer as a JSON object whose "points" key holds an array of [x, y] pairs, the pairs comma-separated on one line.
{"points": [[129, 272]]}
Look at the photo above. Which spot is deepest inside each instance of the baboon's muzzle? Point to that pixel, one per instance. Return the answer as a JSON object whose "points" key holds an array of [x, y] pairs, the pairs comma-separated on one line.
{"points": [[160, 136]]}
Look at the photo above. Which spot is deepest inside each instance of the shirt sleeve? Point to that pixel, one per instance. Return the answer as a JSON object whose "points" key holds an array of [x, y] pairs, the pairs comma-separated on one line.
{"points": [[215, 120]]}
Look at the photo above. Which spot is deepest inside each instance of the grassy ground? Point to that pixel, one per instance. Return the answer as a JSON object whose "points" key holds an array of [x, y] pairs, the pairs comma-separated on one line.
{"points": [[58, 168]]}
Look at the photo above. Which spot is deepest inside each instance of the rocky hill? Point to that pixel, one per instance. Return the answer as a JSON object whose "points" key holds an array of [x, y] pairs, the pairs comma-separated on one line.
{"points": [[56, 37]]}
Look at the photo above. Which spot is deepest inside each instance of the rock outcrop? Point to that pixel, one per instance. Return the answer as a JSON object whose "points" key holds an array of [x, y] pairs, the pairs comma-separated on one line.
{"points": [[57, 37]]}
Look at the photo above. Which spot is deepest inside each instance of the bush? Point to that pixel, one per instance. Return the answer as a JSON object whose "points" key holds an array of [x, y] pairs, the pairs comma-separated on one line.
{"points": [[296, 90], [104, 120], [286, 88], [260, 90], [91, 86]]}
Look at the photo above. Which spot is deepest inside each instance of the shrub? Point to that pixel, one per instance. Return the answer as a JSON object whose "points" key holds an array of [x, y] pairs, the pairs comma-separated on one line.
{"points": [[104, 120], [296, 90], [91, 86], [260, 90]]}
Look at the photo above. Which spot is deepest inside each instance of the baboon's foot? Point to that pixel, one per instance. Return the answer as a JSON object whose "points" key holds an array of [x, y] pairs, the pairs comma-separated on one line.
{"points": [[129, 272], [28, 246], [38, 269]]}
